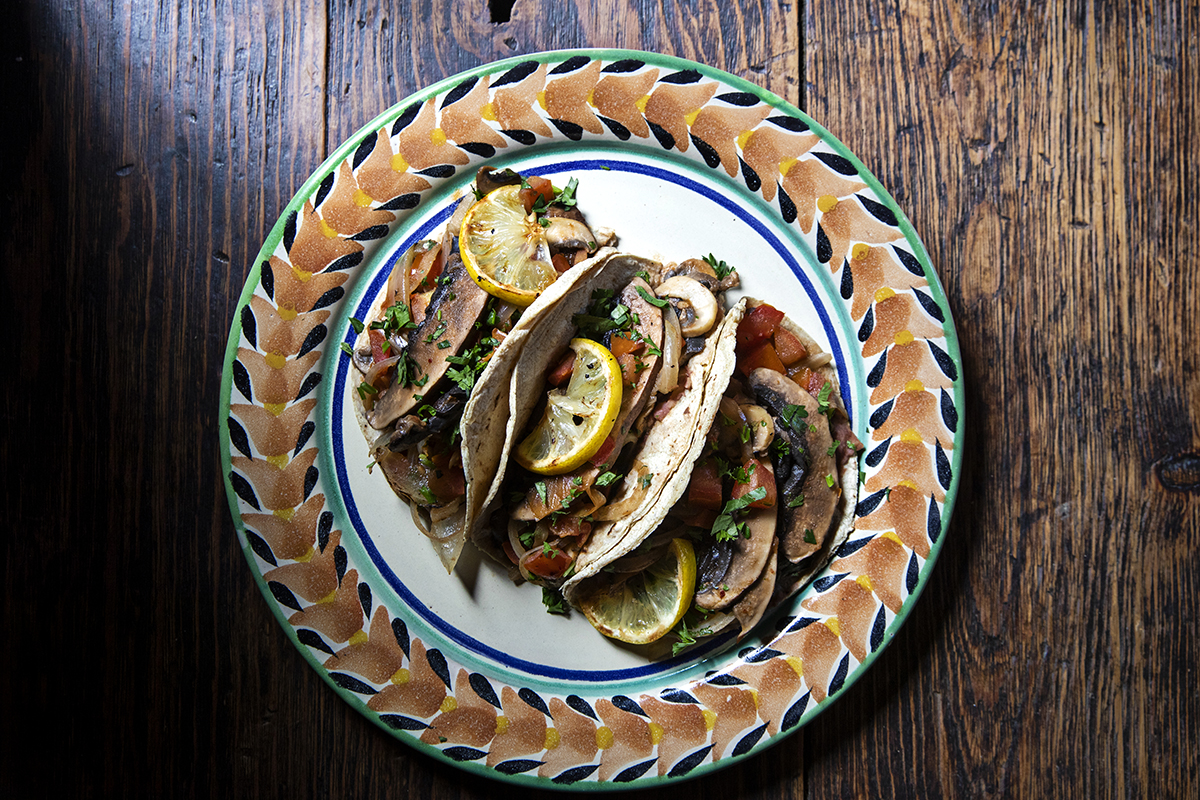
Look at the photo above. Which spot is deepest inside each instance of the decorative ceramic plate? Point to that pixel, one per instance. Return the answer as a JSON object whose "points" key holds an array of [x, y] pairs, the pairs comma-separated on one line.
{"points": [[681, 160]]}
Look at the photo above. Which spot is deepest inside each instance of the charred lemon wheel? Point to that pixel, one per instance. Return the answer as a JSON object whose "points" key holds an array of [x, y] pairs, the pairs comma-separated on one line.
{"points": [[578, 417], [648, 605], [504, 249]]}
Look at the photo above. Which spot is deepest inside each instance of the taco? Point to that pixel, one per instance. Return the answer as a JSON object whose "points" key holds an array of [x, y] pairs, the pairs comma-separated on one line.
{"points": [[764, 494], [439, 341], [654, 328]]}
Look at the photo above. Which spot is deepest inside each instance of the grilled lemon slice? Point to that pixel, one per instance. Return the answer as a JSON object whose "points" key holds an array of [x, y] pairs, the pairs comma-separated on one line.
{"points": [[578, 417], [504, 249], [646, 606]]}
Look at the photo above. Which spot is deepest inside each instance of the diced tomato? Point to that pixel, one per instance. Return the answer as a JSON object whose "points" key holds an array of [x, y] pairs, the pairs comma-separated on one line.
{"points": [[620, 346], [760, 475], [816, 382], [538, 187], [705, 489], [762, 356], [561, 373], [700, 517], [628, 363], [561, 263], [758, 326], [546, 566], [508, 551], [789, 348], [377, 339], [605, 451], [571, 526], [800, 375]]}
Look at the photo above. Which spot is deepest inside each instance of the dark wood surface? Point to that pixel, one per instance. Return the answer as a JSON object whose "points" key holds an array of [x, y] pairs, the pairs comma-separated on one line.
{"points": [[1048, 157]]}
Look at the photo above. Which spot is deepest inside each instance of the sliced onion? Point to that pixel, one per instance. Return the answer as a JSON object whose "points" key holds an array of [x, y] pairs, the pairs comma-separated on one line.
{"points": [[672, 352], [398, 288], [626, 505], [424, 258], [380, 368], [815, 361]]}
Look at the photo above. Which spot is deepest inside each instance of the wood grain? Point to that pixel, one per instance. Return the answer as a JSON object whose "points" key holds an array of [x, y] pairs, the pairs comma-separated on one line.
{"points": [[1046, 154]]}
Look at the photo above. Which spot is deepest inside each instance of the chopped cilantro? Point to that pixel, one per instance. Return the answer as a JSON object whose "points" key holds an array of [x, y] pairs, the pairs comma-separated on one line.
{"points": [[687, 636], [347, 349], [823, 399], [443, 344], [527, 537], [792, 413], [607, 478], [720, 267], [829, 480], [540, 486], [429, 496], [796, 501], [566, 198], [725, 529], [647, 480], [553, 601], [657, 302], [365, 389], [809, 536], [356, 324]]}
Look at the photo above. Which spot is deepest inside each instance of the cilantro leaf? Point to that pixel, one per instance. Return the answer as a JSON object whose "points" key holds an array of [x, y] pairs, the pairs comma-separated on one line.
{"points": [[725, 529], [553, 601], [657, 302]]}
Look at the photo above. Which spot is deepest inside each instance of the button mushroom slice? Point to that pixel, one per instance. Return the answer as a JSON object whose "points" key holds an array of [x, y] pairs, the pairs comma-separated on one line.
{"points": [[806, 469], [566, 234], [440, 335], [488, 180], [695, 305], [762, 427], [749, 559], [753, 604]]}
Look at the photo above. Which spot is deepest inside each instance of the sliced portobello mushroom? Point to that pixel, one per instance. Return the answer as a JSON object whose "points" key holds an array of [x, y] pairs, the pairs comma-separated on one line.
{"points": [[430, 344], [805, 469], [413, 428], [746, 564], [753, 604], [488, 180]]}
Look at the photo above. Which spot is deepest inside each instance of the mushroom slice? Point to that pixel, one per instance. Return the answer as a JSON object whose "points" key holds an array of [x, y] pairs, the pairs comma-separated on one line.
{"points": [[695, 305], [449, 322], [753, 604], [564, 233], [805, 469], [762, 428], [749, 559]]}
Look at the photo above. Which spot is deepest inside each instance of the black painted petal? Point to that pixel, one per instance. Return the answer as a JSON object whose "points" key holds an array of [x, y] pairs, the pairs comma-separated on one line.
{"points": [[323, 190], [824, 248], [267, 279], [289, 231], [868, 323], [575, 774], [933, 524], [690, 762], [283, 595], [242, 488], [847, 287], [438, 171], [483, 688], [306, 432], [878, 629], [880, 415], [329, 298], [310, 480], [870, 503], [516, 766], [624, 65], [571, 64], [787, 208], [237, 437], [876, 374], [828, 582], [517, 74], [324, 527], [459, 92], [801, 624], [618, 130], [789, 124], [765, 654], [839, 677], [402, 202], [352, 684], [875, 457], [437, 662], [579, 704], [664, 137], [310, 383], [753, 182], [851, 547], [461, 753], [711, 156], [944, 473], [949, 412], [879, 211], [348, 261], [911, 576], [533, 700], [313, 339], [725, 680], [261, 548], [521, 136], [682, 77], [930, 305], [749, 740], [249, 330], [314, 640], [794, 714], [363, 150], [634, 772], [569, 129], [744, 99], [481, 149], [839, 164], [406, 117], [371, 233], [400, 631], [340, 562], [628, 704], [398, 722], [364, 598], [678, 696]]}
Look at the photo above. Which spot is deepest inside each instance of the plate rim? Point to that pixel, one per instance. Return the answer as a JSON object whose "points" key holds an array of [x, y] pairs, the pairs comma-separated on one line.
{"points": [[346, 149]]}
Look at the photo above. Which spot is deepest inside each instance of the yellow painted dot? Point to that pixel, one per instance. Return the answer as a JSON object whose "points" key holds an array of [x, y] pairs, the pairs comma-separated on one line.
{"points": [[833, 625], [304, 275], [275, 408], [827, 203], [690, 117], [910, 436], [359, 637], [865, 582], [449, 704], [907, 484], [860, 251], [903, 338], [552, 738], [326, 229], [710, 719], [542, 99], [743, 139], [914, 386], [399, 164], [284, 514], [604, 737], [884, 294], [591, 98], [275, 360], [656, 733], [307, 557], [753, 695], [362, 199], [488, 112], [786, 165], [438, 137], [401, 676], [328, 598], [287, 313], [279, 462], [797, 665], [892, 535], [501, 724], [642, 102]]}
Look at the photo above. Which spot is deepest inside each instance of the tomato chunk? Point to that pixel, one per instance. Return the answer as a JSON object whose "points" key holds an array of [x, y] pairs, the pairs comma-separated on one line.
{"points": [[560, 262], [620, 346], [700, 518], [705, 489], [605, 451], [760, 475], [762, 356], [758, 326], [571, 526], [546, 565], [538, 188], [789, 348], [561, 373], [377, 339]]}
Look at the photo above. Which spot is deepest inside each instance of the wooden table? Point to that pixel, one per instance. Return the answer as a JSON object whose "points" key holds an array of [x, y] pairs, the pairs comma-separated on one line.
{"points": [[1047, 157]]}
